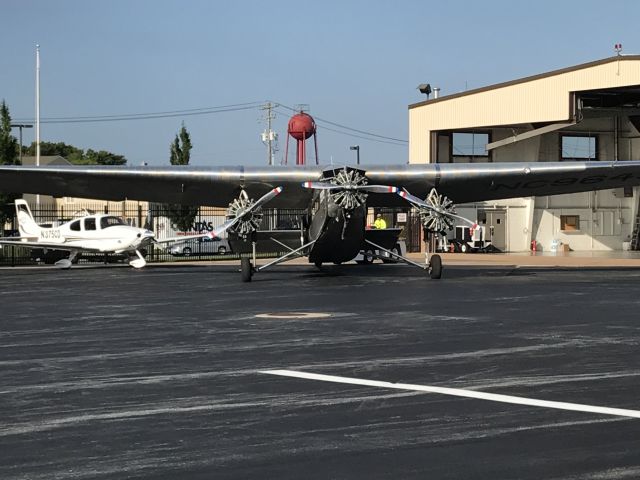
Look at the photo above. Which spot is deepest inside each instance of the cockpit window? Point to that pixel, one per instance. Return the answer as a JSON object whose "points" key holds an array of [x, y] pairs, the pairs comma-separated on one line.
{"points": [[75, 226], [106, 222], [90, 223]]}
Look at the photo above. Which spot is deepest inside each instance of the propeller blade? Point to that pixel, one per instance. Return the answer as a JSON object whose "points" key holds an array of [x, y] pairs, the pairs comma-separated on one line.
{"points": [[415, 200], [265, 198], [466, 220], [216, 232], [377, 188], [321, 186]]}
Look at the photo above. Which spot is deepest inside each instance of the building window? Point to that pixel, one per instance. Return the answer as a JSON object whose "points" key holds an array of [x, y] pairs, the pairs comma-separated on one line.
{"points": [[579, 147], [569, 223], [464, 144]]}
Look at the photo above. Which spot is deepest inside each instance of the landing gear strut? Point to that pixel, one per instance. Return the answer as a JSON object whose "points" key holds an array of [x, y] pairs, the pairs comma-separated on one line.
{"points": [[433, 263]]}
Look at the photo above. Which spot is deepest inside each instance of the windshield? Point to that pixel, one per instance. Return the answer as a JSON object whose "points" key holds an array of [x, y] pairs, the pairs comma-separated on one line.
{"points": [[106, 222]]}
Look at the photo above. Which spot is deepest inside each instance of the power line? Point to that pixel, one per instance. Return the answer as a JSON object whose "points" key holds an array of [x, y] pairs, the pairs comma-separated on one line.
{"points": [[321, 120], [152, 115], [346, 130], [323, 127]]}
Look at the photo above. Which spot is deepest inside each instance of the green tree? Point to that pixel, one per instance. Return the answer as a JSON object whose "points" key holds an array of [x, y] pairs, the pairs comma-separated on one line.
{"points": [[76, 155], [182, 217], [9, 155], [103, 157]]}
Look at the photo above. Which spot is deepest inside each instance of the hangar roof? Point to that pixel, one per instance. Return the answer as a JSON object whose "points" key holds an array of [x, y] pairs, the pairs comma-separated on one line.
{"points": [[544, 99], [533, 78]]}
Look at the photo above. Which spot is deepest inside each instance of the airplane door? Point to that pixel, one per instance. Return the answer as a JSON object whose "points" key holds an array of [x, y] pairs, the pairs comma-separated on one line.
{"points": [[496, 228]]}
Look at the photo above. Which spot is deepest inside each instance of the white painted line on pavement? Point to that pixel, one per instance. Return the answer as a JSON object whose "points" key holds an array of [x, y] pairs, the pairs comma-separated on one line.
{"points": [[457, 392]]}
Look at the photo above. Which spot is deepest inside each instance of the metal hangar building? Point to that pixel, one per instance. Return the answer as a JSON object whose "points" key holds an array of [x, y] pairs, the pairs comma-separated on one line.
{"points": [[584, 112]]}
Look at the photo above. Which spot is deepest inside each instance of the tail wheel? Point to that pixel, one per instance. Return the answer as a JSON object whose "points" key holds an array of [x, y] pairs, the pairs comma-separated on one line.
{"points": [[435, 267], [246, 268], [368, 256]]}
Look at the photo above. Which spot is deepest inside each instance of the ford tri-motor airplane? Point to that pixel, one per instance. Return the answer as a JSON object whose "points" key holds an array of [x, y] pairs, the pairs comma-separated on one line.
{"points": [[335, 198], [97, 233]]}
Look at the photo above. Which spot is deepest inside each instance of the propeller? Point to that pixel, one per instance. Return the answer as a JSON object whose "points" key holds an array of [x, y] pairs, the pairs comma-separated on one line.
{"points": [[241, 211], [349, 188], [437, 211], [245, 214]]}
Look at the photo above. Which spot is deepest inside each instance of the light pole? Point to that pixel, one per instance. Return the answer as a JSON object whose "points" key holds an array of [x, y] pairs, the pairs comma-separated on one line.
{"points": [[21, 126], [357, 149]]}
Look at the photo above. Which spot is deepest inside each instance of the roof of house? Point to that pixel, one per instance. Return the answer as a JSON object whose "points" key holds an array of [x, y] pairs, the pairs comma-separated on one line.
{"points": [[45, 160]]}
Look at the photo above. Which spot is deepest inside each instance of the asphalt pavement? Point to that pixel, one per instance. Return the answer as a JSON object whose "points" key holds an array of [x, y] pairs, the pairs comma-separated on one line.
{"points": [[168, 372]]}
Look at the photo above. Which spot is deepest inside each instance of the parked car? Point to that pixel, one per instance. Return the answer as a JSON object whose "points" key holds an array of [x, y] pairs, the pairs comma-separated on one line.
{"points": [[200, 246]]}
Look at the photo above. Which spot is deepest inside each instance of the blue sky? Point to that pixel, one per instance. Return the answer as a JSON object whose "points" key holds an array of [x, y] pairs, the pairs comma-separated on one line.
{"points": [[355, 63]]}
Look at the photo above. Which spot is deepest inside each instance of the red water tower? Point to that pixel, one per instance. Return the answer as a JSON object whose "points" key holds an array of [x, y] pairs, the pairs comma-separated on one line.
{"points": [[301, 127]]}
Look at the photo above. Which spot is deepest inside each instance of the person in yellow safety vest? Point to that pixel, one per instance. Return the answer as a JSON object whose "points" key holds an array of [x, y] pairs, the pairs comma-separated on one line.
{"points": [[380, 223]]}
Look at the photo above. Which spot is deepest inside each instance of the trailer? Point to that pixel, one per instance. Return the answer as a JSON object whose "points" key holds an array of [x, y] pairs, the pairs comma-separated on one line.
{"points": [[468, 240], [387, 238]]}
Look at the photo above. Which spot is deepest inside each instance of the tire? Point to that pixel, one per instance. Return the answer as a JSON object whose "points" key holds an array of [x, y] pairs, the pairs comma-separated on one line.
{"points": [[435, 267], [368, 257], [246, 268], [464, 248], [222, 250], [318, 264], [186, 252]]}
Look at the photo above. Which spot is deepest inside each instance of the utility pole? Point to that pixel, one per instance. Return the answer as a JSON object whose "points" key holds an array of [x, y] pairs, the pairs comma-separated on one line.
{"points": [[37, 118], [269, 137], [21, 126]]}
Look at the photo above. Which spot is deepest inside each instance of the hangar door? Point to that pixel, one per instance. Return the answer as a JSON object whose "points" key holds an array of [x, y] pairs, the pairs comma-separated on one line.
{"points": [[495, 222]]}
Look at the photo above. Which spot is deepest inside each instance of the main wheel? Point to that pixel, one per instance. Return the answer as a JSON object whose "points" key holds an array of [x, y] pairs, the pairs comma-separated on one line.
{"points": [[368, 257], [186, 251], [246, 268], [222, 250], [464, 248], [435, 267]]}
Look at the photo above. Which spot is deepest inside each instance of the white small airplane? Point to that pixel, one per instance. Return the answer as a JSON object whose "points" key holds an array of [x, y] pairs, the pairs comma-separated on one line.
{"points": [[96, 233]]}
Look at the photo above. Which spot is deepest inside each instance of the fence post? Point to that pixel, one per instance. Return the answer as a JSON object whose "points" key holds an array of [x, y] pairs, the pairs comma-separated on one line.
{"points": [[13, 249]]}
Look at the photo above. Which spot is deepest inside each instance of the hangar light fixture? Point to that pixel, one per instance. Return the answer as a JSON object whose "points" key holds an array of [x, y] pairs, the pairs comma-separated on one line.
{"points": [[425, 88]]}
